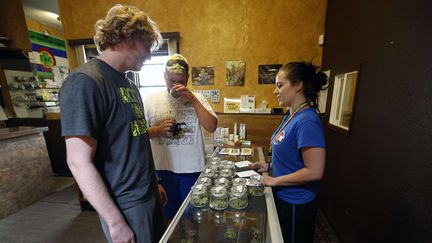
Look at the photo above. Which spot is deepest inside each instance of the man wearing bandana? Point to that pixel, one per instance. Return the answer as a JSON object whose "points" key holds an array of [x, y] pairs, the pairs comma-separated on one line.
{"points": [[178, 155]]}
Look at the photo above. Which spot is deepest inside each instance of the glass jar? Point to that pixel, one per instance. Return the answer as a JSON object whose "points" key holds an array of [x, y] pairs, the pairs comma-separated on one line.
{"points": [[227, 173], [210, 173], [228, 162], [206, 181], [238, 197], [222, 181], [255, 186], [213, 167], [215, 161], [239, 182], [230, 167], [218, 198], [199, 196]]}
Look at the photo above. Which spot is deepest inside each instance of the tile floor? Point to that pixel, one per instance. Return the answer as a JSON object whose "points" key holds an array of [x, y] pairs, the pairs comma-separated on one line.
{"points": [[58, 218], [55, 218]]}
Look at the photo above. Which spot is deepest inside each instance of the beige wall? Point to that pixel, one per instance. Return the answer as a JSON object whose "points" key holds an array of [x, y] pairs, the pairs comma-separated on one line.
{"points": [[215, 31]]}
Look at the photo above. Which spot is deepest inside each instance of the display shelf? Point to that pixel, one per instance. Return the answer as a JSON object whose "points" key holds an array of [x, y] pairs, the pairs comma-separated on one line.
{"points": [[258, 222]]}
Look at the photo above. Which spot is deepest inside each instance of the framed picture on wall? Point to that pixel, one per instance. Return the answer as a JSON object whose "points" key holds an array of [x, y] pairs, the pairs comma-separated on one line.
{"points": [[345, 85], [202, 76], [267, 73], [235, 73]]}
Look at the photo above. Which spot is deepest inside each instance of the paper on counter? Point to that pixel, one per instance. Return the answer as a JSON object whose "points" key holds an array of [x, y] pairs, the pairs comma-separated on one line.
{"points": [[234, 151], [225, 151], [242, 164], [247, 173], [246, 151]]}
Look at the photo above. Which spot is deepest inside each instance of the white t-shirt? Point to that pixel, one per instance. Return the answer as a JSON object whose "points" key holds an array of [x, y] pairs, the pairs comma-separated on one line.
{"points": [[183, 153]]}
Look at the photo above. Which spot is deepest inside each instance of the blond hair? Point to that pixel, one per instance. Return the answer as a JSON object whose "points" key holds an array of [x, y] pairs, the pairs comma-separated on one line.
{"points": [[124, 23]]}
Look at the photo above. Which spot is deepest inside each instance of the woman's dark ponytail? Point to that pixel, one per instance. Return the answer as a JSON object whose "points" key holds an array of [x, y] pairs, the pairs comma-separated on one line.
{"points": [[313, 81]]}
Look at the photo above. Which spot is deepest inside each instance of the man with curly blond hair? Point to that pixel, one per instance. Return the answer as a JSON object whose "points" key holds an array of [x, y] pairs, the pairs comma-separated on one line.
{"points": [[107, 141]]}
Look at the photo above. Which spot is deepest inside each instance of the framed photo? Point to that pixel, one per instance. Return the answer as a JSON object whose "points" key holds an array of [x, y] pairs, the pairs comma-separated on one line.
{"points": [[345, 85], [267, 73], [203, 76], [235, 73]]}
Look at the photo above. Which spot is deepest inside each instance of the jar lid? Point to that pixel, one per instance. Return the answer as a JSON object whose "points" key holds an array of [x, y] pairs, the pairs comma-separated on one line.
{"points": [[205, 180], [239, 189], [239, 180], [255, 180], [199, 189], [218, 190]]}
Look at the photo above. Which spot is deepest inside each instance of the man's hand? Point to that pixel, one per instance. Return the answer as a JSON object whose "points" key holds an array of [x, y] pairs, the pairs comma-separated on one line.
{"points": [[164, 129], [162, 195], [121, 233], [184, 91]]}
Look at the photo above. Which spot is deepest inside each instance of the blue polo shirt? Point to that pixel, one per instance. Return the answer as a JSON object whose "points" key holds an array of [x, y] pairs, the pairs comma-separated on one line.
{"points": [[304, 130]]}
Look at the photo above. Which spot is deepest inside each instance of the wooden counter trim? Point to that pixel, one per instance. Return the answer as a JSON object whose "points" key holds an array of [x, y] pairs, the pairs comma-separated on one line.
{"points": [[13, 132], [52, 116], [249, 114]]}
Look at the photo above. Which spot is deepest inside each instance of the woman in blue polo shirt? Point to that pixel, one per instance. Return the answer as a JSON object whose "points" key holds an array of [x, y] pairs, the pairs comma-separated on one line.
{"points": [[298, 151]]}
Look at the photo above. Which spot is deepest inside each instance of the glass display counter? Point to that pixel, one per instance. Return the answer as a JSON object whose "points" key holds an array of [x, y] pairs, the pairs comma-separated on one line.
{"points": [[258, 222]]}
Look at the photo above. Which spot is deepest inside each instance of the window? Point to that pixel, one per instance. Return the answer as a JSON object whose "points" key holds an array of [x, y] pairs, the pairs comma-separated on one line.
{"points": [[150, 79], [343, 100]]}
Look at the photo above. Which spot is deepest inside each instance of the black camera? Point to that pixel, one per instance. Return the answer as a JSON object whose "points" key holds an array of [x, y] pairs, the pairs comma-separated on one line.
{"points": [[176, 128]]}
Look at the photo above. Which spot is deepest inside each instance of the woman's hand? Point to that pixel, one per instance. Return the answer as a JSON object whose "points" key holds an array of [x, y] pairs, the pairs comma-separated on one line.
{"points": [[261, 167], [269, 181]]}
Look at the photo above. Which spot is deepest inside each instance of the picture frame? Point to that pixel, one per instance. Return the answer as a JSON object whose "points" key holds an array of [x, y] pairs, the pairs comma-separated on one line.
{"points": [[203, 76], [344, 91], [267, 73], [235, 73]]}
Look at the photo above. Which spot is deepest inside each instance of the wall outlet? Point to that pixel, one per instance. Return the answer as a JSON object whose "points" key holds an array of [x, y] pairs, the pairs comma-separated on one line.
{"points": [[321, 40]]}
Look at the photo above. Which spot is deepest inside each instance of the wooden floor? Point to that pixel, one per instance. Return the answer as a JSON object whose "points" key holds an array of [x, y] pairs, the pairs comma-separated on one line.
{"points": [[56, 218]]}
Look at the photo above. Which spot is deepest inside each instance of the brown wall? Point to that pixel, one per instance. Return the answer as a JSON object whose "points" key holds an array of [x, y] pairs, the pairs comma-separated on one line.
{"points": [[213, 32], [13, 24], [377, 186]]}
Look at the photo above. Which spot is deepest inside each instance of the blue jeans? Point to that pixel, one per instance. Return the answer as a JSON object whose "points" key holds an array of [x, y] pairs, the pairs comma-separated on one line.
{"points": [[177, 187]]}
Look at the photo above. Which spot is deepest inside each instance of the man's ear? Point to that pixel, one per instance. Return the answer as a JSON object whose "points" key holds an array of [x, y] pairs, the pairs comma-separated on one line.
{"points": [[124, 45]]}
